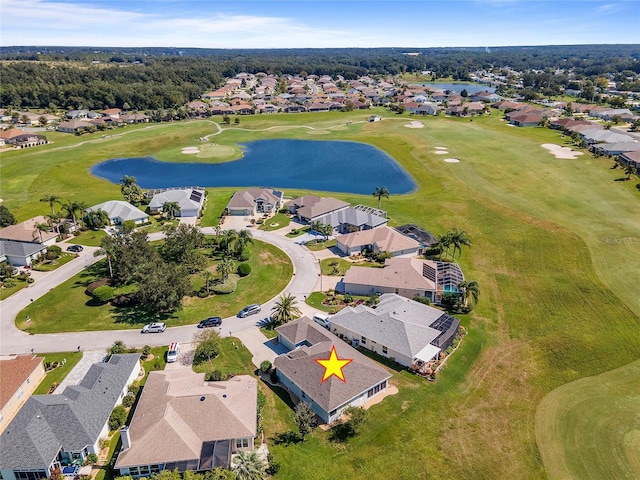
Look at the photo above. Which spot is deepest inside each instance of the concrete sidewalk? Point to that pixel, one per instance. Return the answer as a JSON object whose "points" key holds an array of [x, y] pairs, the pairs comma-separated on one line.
{"points": [[82, 367]]}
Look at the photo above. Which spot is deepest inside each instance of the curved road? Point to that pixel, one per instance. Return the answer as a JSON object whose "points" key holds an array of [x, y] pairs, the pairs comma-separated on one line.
{"points": [[305, 275]]}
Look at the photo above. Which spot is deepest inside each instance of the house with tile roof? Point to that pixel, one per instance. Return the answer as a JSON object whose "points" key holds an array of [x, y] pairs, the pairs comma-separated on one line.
{"points": [[73, 126], [120, 211], [19, 377], [254, 201], [27, 232], [409, 332], [190, 200], [183, 422], [22, 138], [51, 431], [381, 239], [299, 372], [407, 277]]}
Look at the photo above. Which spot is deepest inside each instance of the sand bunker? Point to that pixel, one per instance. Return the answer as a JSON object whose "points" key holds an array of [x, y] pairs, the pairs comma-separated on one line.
{"points": [[561, 152], [415, 124], [440, 148], [441, 152], [452, 160], [190, 150]]}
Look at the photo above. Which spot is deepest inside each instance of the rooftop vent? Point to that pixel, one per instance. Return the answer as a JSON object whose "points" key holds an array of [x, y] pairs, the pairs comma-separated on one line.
{"points": [[224, 395], [202, 399]]}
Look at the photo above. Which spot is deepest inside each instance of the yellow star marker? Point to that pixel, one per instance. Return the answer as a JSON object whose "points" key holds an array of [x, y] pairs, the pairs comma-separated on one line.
{"points": [[333, 365]]}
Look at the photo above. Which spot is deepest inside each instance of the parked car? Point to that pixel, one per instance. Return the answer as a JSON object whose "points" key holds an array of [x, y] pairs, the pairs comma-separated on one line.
{"points": [[75, 248], [210, 322], [322, 320], [173, 352], [249, 310], [156, 327]]}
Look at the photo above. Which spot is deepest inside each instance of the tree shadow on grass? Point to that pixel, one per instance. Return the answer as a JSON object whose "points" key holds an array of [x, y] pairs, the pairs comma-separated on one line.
{"points": [[286, 438], [136, 315], [342, 433]]}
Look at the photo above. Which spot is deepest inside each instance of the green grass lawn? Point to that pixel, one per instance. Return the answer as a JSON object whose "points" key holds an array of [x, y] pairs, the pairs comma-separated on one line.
{"points": [[234, 358], [590, 428], [553, 249], [67, 308], [6, 292], [298, 232], [279, 220], [158, 222], [90, 238], [49, 265], [321, 246], [57, 375], [343, 265]]}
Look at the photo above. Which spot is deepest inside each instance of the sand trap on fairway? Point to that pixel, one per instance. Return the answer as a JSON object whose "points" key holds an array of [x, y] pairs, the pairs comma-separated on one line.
{"points": [[190, 150], [414, 124], [440, 148], [561, 152], [441, 152], [452, 160]]}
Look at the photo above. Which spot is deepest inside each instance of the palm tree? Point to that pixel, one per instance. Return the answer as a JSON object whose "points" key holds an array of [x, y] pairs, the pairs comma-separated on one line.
{"points": [[225, 267], [249, 466], [171, 209], [107, 247], [381, 192], [227, 239], [207, 276], [629, 170], [444, 242], [469, 288], [285, 309], [128, 180], [51, 200], [243, 238], [459, 238], [41, 227], [72, 207]]}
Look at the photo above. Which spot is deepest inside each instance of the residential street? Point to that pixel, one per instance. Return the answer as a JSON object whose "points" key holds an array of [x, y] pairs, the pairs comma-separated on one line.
{"points": [[305, 277]]}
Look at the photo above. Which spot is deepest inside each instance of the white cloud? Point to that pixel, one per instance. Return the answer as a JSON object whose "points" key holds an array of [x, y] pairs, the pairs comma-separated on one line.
{"points": [[608, 8]]}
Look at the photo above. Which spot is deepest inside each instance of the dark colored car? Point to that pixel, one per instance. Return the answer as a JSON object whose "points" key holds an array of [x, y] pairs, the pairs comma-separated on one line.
{"points": [[210, 322], [74, 248]]}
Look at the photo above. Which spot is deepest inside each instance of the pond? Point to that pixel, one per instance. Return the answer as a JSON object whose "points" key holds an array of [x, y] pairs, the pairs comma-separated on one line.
{"points": [[458, 87], [333, 166]]}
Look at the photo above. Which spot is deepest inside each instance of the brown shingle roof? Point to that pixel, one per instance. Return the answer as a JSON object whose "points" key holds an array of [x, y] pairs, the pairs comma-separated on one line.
{"points": [[14, 371], [387, 239], [300, 366], [26, 231], [320, 207], [397, 273]]}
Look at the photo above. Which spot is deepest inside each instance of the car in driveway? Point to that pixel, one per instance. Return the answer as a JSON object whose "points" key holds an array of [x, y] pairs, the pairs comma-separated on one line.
{"points": [[210, 322], [156, 327], [249, 310], [75, 248], [173, 352]]}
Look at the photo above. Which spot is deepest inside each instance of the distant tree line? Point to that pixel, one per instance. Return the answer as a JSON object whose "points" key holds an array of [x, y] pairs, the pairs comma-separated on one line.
{"points": [[159, 78]]}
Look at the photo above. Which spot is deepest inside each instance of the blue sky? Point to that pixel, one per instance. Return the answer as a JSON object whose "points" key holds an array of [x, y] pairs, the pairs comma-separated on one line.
{"points": [[317, 23]]}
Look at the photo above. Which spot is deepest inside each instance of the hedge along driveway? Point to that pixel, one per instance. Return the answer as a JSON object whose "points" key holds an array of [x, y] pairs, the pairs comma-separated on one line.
{"points": [[67, 308]]}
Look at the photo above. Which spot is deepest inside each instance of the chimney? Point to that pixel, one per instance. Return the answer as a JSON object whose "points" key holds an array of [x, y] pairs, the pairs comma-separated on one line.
{"points": [[124, 437]]}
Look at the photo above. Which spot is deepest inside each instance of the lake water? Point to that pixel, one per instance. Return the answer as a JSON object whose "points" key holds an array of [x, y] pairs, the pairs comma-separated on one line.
{"points": [[458, 87], [333, 166]]}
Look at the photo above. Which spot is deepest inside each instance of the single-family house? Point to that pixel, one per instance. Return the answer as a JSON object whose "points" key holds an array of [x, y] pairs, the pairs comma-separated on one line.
{"points": [[532, 119], [352, 220], [409, 332], [20, 254], [28, 232], [77, 114], [407, 277], [255, 200], [427, 108], [299, 372], [22, 139], [190, 201], [120, 211], [630, 158], [485, 97], [455, 110], [183, 422], [310, 208], [51, 431], [112, 112], [382, 239], [134, 117], [616, 148], [74, 126], [19, 377], [593, 136]]}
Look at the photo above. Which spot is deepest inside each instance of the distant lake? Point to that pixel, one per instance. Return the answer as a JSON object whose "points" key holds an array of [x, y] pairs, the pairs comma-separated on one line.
{"points": [[458, 87], [333, 166]]}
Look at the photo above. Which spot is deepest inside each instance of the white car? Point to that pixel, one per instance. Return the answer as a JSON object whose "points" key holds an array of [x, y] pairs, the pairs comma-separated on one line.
{"points": [[174, 351], [157, 327]]}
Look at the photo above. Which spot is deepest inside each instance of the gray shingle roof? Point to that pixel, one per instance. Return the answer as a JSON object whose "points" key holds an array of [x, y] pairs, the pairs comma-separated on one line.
{"points": [[397, 322], [20, 249], [120, 209], [300, 366], [70, 420], [352, 216], [184, 198]]}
